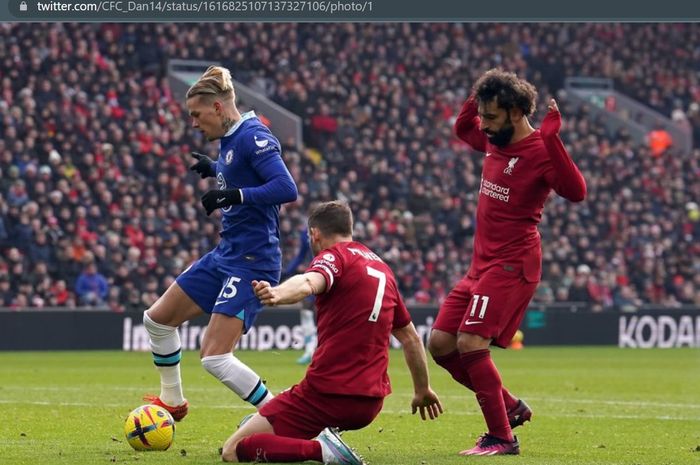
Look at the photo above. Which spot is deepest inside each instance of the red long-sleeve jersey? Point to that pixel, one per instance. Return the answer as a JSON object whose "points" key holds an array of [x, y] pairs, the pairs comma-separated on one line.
{"points": [[357, 312], [515, 183]]}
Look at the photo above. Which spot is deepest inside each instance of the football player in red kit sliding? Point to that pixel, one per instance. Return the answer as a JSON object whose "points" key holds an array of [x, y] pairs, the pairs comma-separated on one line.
{"points": [[521, 166], [358, 307]]}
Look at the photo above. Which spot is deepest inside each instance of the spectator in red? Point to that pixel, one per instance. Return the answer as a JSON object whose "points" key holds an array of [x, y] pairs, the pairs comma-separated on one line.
{"points": [[659, 140]]}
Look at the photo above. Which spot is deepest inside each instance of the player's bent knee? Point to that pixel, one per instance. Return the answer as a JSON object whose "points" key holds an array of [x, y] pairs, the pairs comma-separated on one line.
{"points": [[467, 342], [441, 343], [221, 336], [214, 363], [228, 452], [157, 314], [211, 350], [434, 347], [154, 328]]}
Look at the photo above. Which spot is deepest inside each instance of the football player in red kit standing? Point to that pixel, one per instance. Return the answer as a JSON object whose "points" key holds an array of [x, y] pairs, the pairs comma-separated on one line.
{"points": [[521, 166], [358, 307]]}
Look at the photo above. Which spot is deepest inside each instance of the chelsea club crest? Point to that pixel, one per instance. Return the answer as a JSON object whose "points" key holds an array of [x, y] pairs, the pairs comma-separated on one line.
{"points": [[229, 157]]}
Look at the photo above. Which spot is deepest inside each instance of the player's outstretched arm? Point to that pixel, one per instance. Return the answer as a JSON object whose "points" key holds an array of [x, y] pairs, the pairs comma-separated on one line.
{"points": [[566, 179], [424, 399], [293, 290]]}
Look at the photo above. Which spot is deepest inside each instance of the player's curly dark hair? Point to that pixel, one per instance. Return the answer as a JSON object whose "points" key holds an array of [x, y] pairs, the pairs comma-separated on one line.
{"points": [[509, 90], [331, 218]]}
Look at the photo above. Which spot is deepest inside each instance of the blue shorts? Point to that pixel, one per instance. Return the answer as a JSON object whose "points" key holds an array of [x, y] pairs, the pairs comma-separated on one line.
{"points": [[218, 288]]}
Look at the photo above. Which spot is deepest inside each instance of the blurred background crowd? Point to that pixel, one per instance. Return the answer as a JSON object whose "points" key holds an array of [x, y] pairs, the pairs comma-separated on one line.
{"points": [[98, 208]]}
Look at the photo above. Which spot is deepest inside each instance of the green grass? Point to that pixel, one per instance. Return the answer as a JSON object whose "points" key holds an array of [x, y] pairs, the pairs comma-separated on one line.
{"points": [[592, 406]]}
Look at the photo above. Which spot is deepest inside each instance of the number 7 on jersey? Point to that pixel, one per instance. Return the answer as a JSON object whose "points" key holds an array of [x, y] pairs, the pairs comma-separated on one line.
{"points": [[381, 276]]}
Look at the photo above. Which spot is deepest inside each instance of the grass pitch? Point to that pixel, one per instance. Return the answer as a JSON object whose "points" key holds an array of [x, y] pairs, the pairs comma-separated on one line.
{"points": [[592, 406]]}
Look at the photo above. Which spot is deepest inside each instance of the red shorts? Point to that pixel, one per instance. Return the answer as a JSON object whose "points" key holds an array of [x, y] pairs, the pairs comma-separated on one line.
{"points": [[492, 306], [302, 412]]}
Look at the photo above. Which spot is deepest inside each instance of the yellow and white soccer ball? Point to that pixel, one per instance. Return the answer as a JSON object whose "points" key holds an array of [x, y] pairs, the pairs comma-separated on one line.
{"points": [[149, 427]]}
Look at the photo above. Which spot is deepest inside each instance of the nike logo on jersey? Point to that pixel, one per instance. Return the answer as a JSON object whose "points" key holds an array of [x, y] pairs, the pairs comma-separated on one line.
{"points": [[220, 199], [488, 154], [219, 302], [467, 323]]}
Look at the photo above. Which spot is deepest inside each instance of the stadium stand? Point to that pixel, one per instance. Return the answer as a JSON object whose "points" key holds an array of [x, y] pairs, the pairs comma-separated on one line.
{"points": [[94, 151]]}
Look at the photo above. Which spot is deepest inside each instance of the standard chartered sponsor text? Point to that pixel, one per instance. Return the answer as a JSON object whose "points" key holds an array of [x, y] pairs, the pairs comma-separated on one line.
{"points": [[329, 7], [494, 190]]}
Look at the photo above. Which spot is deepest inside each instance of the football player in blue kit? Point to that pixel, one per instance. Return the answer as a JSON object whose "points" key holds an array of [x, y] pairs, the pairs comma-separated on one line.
{"points": [[306, 314], [253, 182]]}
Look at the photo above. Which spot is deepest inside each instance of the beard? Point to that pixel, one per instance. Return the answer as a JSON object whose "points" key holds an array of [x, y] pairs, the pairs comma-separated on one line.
{"points": [[502, 137]]}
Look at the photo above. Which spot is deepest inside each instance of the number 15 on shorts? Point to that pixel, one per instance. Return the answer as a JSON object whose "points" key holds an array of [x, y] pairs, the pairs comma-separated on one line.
{"points": [[228, 290]]}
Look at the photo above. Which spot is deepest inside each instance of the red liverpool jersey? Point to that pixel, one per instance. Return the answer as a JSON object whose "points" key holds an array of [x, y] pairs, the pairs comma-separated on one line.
{"points": [[356, 314], [515, 183]]}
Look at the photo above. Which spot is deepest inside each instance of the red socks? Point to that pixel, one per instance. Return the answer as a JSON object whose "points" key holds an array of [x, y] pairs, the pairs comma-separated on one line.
{"points": [[486, 382], [510, 401], [267, 447], [453, 364]]}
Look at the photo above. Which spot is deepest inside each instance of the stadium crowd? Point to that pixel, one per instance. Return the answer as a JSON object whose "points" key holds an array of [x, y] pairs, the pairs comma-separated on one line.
{"points": [[97, 206]]}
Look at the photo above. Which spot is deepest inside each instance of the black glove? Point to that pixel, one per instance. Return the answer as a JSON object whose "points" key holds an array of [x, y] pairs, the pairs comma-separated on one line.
{"points": [[216, 198], [205, 166]]}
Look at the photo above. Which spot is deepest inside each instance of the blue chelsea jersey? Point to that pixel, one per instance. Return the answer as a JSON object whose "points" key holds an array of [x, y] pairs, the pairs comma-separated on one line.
{"points": [[250, 159]]}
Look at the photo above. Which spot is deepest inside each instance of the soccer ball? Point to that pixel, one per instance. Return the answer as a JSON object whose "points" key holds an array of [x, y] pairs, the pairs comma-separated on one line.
{"points": [[149, 427]]}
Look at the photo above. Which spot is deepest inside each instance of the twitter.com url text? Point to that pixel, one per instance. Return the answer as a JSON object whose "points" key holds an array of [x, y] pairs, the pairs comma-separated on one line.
{"points": [[330, 7]]}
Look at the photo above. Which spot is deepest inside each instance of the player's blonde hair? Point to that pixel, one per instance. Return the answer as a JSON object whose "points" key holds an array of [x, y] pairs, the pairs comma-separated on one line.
{"points": [[215, 82]]}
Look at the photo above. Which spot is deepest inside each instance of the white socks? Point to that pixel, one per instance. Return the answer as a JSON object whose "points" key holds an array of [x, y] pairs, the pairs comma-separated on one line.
{"points": [[165, 345], [238, 377]]}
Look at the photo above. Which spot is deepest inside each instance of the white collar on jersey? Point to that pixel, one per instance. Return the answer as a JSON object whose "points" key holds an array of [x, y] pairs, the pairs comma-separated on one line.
{"points": [[245, 116]]}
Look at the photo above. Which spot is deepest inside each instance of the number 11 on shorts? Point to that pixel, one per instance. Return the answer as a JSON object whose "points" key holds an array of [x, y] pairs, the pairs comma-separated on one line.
{"points": [[475, 304]]}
